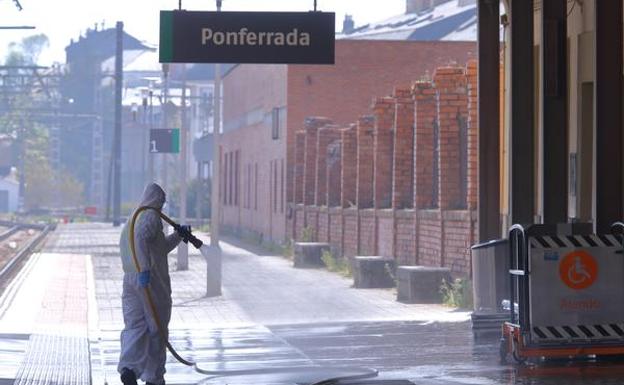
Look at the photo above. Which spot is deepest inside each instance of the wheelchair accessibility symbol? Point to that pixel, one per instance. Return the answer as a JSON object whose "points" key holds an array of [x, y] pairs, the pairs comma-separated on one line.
{"points": [[578, 270]]}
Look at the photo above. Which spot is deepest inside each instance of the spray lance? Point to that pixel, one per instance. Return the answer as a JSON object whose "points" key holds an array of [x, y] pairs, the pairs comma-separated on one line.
{"points": [[188, 237]]}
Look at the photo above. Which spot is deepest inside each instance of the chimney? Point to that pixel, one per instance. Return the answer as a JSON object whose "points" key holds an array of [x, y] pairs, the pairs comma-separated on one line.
{"points": [[348, 25], [415, 6]]}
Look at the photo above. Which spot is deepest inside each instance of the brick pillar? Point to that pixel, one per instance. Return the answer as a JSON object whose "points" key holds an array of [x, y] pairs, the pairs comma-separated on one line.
{"points": [[403, 159], [312, 125], [298, 166], [326, 135], [349, 167], [450, 83], [473, 130], [334, 171], [425, 121], [365, 161], [383, 149]]}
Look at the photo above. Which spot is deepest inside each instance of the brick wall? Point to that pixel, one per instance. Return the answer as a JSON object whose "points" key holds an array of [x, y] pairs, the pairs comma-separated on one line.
{"points": [[312, 222], [429, 238], [326, 136], [334, 171], [403, 146], [368, 232], [335, 230], [350, 232], [424, 122], [385, 233], [323, 225], [348, 168], [300, 224], [410, 167], [450, 83], [457, 239], [383, 110], [365, 161], [405, 242], [298, 166], [473, 130], [312, 126]]}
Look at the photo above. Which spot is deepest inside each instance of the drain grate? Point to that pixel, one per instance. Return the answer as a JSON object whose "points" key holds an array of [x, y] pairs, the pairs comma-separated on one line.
{"points": [[55, 360]]}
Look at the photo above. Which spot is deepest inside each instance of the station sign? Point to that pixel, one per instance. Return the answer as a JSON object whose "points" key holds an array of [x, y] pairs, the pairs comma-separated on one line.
{"points": [[164, 141], [247, 37]]}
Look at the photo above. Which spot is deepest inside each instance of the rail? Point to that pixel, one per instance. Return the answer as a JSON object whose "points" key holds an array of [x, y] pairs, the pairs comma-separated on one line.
{"points": [[23, 253]]}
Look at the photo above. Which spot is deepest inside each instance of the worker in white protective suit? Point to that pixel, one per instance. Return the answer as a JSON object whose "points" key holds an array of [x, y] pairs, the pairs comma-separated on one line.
{"points": [[143, 350]]}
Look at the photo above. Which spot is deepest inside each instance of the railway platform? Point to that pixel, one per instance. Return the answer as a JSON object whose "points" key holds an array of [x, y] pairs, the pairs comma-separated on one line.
{"points": [[60, 316]]}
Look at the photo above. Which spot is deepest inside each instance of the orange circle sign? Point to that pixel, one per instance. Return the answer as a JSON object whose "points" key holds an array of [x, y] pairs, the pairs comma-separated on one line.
{"points": [[578, 270]]}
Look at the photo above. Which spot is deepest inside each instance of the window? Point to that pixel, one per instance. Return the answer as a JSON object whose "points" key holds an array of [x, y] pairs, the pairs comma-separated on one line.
{"points": [[275, 185], [225, 180], [275, 123], [231, 184], [256, 186], [282, 186], [236, 176]]}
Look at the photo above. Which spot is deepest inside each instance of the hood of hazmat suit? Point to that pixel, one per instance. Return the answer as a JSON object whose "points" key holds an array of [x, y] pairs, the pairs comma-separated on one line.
{"points": [[142, 348]]}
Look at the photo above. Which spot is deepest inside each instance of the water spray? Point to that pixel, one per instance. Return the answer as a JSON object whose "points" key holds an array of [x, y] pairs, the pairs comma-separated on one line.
{"points": [[334, 373]]}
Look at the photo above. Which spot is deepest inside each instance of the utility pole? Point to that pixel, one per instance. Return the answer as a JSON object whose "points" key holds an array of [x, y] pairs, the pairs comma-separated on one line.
{"points": [[117, 142], [150, 155], [165, 118], [183, 247], [213, 261]]}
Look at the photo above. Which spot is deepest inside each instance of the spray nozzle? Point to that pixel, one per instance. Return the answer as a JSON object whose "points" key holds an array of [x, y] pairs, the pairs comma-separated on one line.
{"points": [[187, 236]]}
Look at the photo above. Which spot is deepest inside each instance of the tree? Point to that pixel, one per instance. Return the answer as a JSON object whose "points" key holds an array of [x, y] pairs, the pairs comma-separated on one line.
{"points": [[42, 185], [27, 52]]}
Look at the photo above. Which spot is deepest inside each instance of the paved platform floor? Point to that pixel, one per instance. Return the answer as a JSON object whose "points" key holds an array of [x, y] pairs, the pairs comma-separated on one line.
{"points": [[66, 307]]}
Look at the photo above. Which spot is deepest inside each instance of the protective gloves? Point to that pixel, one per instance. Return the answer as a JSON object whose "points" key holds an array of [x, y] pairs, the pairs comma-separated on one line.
{"points": [[187, 236], [144, 278], [184, 231]]}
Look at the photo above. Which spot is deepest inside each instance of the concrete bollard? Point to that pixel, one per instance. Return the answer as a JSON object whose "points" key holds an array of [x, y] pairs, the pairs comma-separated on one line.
{"points": [[421, 284], [373, 272], [308, 254]]}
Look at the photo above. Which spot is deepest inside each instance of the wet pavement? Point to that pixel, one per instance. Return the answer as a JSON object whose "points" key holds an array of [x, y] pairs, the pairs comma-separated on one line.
{"points": [[62, 317]]}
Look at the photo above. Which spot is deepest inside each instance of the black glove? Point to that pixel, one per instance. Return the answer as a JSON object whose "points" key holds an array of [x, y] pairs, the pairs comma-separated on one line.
{"points": [[187, 236], [184, 231]]}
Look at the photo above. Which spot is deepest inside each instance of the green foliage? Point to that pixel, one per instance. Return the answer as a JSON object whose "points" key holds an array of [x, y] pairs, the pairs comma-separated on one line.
{"points": [[308, 234], [194, 189], [457, 293], [27, 52], [45, 187], [288, 250], [337, 265]]}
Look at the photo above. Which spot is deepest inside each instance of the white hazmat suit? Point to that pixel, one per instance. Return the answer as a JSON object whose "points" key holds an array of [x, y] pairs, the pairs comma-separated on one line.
{"points": [[142, 348]]}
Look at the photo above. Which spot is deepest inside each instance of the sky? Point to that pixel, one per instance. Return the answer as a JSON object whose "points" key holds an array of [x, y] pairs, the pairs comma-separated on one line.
{"points": [[63, 20]]}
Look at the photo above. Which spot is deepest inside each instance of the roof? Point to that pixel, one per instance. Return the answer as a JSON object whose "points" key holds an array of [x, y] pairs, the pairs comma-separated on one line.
{"points": [[101, 44], [199, 72], [452, 20]]}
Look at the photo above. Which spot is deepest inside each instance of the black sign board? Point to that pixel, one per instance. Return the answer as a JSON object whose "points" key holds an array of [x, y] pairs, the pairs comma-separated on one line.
{"points": [[164, 140], [247, 37]]}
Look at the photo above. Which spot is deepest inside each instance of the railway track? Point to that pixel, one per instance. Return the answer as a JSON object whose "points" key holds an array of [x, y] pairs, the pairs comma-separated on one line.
{"points": [[17, 242]]}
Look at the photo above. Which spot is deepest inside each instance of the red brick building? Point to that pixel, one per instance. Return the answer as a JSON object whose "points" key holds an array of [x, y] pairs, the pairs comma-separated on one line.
{"points": [[264, 106]]}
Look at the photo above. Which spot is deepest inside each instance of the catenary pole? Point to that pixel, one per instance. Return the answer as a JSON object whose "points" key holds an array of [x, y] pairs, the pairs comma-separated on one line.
{"points": [[213, 277], [183, 247], [117, 143]]}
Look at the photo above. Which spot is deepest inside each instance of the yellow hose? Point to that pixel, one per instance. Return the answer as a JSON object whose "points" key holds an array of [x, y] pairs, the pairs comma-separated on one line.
{"points": [[148, 293]]}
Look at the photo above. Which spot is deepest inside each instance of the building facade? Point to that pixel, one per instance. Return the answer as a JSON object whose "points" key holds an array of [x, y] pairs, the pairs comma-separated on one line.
{"points": [[265, 105]]}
